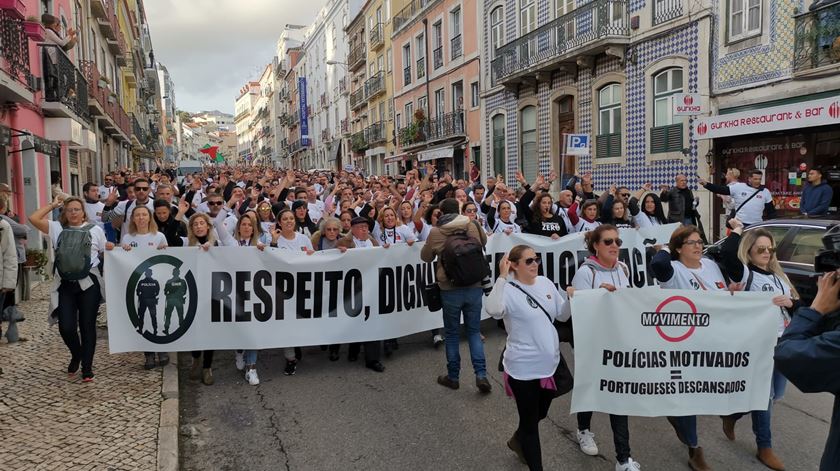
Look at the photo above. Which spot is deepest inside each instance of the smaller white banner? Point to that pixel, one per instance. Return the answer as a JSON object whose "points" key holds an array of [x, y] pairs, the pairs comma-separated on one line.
{"points": [[654, 352], [577, 144], [775, 118], [687, 104]]}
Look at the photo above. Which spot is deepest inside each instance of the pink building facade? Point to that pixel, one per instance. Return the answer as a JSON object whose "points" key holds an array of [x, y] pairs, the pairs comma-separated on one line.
{"points": [[437, 83]]}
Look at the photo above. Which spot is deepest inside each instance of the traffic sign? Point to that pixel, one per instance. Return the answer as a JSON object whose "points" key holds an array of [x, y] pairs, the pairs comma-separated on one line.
{"points": [[577, 144]]}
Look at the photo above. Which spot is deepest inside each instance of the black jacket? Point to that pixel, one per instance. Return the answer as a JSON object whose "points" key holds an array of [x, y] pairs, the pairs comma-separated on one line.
{"points": [[680, 204], [173, 230]]}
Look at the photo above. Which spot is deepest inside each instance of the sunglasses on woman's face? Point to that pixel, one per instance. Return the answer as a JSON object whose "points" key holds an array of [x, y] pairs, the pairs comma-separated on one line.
{"points": [[609, 242], [763, 248], [531, 261]]}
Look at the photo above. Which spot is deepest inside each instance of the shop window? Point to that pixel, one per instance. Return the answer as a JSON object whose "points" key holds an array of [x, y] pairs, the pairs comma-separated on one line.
{"points": [[667, 132]]}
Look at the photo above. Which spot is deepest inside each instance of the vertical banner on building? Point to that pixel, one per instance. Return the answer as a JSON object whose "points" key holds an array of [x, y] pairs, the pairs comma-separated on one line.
{"points": [[304, 119]]}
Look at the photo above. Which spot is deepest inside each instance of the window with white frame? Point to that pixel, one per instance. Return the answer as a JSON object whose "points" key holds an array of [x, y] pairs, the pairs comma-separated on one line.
{"points": [[497, 29], [437, 45], [609, 121], [667, 132], [744, 18], [409, 112], [527, 16], [456, 42], [499, 144], [440, 104], [420, 42], [423, 104], [474, 91], [528, 138]]}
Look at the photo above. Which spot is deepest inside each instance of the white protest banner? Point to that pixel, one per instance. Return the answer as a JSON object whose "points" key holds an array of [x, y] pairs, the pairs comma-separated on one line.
{"points": [[242, 298], [655, 352]]}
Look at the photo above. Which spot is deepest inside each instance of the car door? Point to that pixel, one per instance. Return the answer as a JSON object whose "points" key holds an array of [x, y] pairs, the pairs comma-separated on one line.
{"points": [[796, 256]]}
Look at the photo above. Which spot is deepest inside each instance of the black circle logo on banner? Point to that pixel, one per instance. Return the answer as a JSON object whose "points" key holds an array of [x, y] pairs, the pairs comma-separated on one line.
{"points": [[159, 282]]}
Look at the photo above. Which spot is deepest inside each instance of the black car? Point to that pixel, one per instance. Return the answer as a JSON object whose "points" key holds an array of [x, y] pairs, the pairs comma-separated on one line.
{"points": [[797, 242]]}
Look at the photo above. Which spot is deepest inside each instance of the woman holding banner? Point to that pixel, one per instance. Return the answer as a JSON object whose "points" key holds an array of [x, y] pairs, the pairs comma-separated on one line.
{"points": [[681, 265], [750, 258], [604, 270], [529, 304]]}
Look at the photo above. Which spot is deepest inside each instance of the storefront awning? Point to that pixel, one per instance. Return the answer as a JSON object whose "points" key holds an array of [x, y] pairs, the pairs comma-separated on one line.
{"points": [[333, 156], [442, 152], [799, 115], [391, 159]]}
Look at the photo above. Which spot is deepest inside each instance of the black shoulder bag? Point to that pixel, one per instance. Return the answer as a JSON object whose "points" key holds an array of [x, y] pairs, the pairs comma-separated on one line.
{"points": [[562, 375], [735, 211]]}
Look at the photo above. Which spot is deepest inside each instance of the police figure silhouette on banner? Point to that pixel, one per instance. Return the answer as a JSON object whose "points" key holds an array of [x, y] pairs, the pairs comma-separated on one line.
{"points": [[148, 290], [175, 292]]}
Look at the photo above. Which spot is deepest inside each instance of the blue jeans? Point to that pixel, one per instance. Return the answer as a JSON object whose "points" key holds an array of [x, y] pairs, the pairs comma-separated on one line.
{"points": [[761, 418], [250, 357], [468, 301], [688, 429]]}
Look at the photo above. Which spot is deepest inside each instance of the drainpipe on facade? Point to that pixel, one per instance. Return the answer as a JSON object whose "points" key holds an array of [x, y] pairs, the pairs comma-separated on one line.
{"points": [[428, 69]]}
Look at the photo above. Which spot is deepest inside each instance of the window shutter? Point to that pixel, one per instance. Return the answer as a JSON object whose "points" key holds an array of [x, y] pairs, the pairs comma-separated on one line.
{"points": [[608, 145], [666, 139]]}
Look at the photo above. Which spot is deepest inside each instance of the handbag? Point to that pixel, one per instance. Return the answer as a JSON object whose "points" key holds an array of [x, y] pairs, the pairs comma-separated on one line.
{"points": [[433, 301], [563, 379]]}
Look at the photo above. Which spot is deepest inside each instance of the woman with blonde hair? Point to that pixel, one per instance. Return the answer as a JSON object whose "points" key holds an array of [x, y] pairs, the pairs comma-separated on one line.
{"points": [[75, 302], [328, 235], [142, 231], [750, 259]]}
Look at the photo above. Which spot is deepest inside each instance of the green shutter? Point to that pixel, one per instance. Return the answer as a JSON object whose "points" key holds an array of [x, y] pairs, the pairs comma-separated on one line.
{"points": [[608, 145], [666, 139]]}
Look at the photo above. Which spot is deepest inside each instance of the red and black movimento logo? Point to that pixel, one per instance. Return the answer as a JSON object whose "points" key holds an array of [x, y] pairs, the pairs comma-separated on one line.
{"points": [[675, 319]]}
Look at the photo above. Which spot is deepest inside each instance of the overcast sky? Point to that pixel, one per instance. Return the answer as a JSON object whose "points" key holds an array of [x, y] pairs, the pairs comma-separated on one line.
{"points": [[212, 47]]}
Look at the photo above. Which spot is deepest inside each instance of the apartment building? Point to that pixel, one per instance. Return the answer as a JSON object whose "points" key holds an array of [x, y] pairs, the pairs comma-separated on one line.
{"points": [[776, 65], [243, 118], [609, 69], [437, 82]]}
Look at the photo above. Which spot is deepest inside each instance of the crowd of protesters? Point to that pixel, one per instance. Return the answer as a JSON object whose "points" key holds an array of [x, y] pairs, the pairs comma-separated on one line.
{"points": [[260, 208]]}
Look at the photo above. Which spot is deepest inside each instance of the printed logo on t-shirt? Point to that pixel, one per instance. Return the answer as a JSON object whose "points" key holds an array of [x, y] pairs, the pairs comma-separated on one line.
{"points": [[694, 284], [720, 284], [531, 302], [767, 287]]}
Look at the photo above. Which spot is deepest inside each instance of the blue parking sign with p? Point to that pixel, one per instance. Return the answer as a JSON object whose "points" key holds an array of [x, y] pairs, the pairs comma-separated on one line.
{"points": [[577, 144]]}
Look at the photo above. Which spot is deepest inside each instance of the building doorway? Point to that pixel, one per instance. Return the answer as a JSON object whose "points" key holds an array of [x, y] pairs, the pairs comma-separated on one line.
{"points": [[565, 125]]}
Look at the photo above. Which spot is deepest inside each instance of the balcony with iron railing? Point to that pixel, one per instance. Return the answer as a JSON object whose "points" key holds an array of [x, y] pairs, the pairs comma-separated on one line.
{"points": [[103, 103], [108, 21], [359, 142], [457, 49], [666, 10], [377, 36], [817, 40], [376, 133], [357, 98], [294, 118], [342, 85], [100, 8], [409, 12], [138, 133], [421, 68], [593, 28], [65, 88], [325, 135], [437, 56], [14, 50], [375, 85], [407, 76], [357, 57], [427, 131]]}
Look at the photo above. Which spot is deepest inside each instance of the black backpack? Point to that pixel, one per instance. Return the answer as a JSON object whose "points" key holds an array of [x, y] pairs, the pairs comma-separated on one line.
{"points": [[463, 259]]}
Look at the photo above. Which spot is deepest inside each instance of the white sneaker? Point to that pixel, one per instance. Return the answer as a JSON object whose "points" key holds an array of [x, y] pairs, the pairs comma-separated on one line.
{"points": [[630, 465], [437, 340], [251, 376], [586, 440], [240, 361]]}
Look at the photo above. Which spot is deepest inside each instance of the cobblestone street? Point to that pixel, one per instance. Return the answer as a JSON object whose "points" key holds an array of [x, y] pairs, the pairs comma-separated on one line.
{"points": [[51, 422]]}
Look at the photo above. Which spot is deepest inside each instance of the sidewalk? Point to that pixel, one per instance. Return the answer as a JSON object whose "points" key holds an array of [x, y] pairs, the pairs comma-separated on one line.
{"points": [[51, 422]]}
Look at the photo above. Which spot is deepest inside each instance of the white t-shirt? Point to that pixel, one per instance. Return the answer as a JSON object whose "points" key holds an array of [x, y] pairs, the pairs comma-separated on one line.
{"points": [[585, 226], [152, 239], [120, 211], [94, 212], [644, 220], [769, 283], [707, 277], [424, 233], [502, 226], [753, 211], [564, 214], [299, 243], [533, 348], [97, 240], [316, 210], [397, 235], [362, 243]]}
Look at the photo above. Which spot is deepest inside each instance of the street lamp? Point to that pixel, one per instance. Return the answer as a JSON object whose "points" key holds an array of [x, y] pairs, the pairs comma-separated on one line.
{"points": [[332, 62]]}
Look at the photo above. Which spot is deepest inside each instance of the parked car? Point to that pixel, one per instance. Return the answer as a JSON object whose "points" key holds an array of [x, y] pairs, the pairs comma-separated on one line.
{"points": [[797, 242]]}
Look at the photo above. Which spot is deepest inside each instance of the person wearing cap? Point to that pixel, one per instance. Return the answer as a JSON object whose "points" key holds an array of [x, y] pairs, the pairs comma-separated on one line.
{"points": [[360, 237]]}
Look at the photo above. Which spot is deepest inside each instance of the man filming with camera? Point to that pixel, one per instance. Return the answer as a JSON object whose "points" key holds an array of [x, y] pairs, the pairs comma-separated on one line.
{"points": [[808, 353]]}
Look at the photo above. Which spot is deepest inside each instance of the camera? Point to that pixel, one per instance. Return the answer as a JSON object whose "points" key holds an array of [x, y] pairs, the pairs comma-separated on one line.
{"points": [[828, 259]]}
